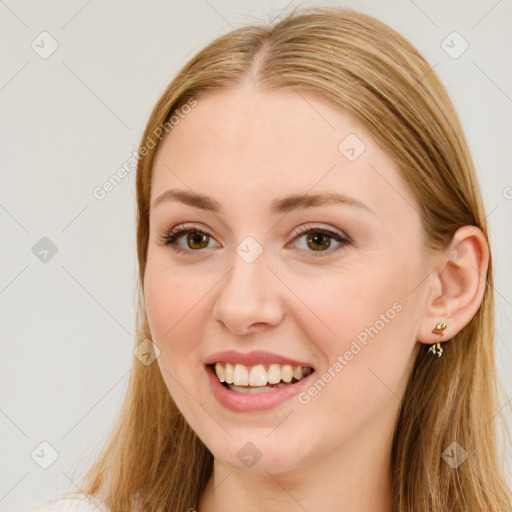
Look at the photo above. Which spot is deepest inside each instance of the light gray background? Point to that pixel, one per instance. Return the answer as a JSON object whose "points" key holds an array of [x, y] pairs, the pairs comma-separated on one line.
{"points": [[71, 120]]}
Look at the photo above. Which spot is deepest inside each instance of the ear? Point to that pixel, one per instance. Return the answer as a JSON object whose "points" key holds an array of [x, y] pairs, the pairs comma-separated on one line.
{"points": [[457, 285]]}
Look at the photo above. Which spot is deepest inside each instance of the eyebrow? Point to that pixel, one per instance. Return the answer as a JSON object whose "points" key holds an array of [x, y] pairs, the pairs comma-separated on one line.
{"points": [[278, 206]]}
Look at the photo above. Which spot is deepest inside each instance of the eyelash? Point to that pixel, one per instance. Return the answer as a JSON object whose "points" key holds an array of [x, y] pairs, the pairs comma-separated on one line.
{"points": [[170, 238]]}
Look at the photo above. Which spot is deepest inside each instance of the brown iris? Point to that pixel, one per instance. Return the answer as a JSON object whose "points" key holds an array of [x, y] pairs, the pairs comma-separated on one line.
{"points": [[316, 238], [195, 237]]}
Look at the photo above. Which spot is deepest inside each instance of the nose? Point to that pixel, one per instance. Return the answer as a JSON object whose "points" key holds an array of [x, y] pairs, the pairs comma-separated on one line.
{"points": [[249, 297]]}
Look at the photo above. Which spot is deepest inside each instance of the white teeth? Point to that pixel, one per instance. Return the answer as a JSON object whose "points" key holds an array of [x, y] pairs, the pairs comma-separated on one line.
{"points": [[221, 373], [274, 374], [287, 373], [228, 373], [258, 376], [241, 375]]}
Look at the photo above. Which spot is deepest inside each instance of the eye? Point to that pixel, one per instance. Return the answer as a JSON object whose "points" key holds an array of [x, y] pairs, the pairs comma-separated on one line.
{"points": [[317, 238], [195, 239]]}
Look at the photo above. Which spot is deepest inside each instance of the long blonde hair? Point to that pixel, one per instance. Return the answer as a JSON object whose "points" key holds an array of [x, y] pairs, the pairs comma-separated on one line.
{"points": [[153, 460]]}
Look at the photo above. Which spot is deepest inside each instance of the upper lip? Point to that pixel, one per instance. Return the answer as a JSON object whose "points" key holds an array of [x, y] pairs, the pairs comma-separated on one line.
{"points": [[253, 358]]}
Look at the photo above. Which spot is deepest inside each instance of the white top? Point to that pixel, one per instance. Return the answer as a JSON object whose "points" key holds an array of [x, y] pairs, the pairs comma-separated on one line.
{"points": [[72, 503]]}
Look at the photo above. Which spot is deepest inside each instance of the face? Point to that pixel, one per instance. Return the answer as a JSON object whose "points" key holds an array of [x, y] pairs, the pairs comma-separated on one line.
{"points": [[335, 286]]}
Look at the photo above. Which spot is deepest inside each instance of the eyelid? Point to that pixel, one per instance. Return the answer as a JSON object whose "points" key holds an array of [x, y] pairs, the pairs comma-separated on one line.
{"points": [[317, 227]]}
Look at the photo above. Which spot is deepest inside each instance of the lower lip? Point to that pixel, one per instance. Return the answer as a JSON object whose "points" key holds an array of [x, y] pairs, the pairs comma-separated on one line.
{"points": [[240, 402]]}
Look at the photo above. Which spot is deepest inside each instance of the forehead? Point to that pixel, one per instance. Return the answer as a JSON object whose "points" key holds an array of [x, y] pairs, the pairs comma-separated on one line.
{"points": [[248, 143]]}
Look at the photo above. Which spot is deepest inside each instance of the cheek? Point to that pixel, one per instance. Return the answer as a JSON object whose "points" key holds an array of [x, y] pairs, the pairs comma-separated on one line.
{"points": [[173, 309], [367, 337], [343, 304], [170, 295]]}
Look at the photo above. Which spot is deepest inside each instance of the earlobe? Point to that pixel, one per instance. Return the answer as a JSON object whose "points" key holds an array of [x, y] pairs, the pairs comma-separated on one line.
{"points": [[457, 287]]}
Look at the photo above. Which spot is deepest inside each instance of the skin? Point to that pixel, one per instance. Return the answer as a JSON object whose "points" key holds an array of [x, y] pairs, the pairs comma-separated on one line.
{"points": [[245, 147]]}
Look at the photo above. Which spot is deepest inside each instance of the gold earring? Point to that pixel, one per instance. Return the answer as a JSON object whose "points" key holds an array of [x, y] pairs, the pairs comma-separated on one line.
{"points": [[436, 348], [439, 328]]}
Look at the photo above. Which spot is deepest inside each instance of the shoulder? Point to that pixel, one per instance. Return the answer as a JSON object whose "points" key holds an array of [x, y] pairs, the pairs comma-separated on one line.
{"points": [[72, 503]]}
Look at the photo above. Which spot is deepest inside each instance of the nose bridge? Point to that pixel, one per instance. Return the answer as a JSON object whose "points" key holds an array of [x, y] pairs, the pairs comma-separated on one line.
{"points": [[249, 294]]}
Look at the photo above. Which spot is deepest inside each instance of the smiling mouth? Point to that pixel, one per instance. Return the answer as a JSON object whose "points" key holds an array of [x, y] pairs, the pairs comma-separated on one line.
{"points": [[259, 378]]}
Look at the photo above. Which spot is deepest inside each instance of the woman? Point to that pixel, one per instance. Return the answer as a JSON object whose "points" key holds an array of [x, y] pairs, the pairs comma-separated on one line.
{"points": [[316, 307]]}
